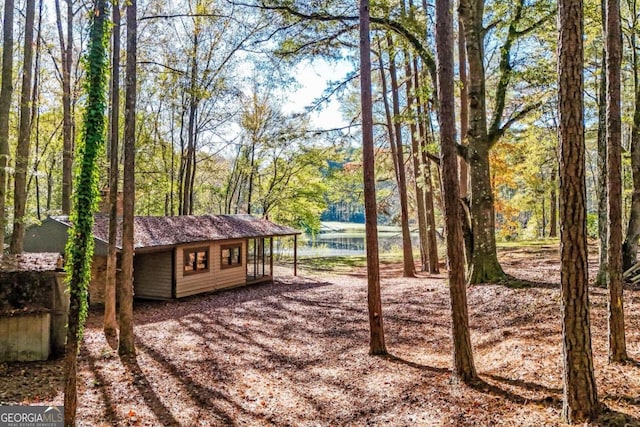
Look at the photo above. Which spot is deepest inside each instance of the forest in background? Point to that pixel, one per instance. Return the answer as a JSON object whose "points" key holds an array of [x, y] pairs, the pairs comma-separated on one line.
{"points": [[212, 136]]}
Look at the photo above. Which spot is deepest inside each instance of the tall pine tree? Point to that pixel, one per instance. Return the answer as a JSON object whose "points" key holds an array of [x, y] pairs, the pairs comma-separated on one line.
{"points": [[580, 395]]}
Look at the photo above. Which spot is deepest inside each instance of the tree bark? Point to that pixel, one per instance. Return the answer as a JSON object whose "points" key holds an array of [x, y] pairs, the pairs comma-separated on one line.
{"points": [[464, 111], [464, 367], [630, 245], [189, 167], [126, 344], [553, 205], [617, 346], [110, 323], [24, 136], [580, 400], [398, 160], [432, 241], [397, 157], [484, 261], [66, 49], [417, 167], [467, 232], [6, 91], [376, 327], [407, 247], [35, 116], [602, 191], [428, 253]]}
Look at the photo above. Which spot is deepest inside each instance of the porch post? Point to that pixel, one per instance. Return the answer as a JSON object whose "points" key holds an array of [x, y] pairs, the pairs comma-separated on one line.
{"points": [[295, 254], [271, 256]]}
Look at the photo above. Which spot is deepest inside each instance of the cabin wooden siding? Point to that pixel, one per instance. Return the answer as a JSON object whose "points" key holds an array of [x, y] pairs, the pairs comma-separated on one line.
{"points": [[153, 275], [216, 278]]}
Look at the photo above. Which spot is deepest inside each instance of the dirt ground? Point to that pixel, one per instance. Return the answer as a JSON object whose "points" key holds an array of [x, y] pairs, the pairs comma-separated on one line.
{"points": [[294, 353]]}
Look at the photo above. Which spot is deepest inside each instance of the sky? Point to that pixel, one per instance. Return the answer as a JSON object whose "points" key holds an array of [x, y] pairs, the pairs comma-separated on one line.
{"points": [[312, 77]]}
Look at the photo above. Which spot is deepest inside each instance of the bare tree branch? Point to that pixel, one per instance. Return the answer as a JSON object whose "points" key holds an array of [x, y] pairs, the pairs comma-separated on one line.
{"points": [[495, 136]]}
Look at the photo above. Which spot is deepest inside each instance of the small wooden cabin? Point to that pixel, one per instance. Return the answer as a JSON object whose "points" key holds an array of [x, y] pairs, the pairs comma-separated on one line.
{"points": [[177, 256]]}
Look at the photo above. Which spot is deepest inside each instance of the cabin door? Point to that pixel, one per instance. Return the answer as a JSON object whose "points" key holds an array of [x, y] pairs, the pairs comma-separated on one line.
{"points": [[258, 259], [255, 259]]}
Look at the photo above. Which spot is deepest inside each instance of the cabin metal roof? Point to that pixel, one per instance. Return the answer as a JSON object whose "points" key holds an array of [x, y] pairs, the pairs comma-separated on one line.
{"points": [[157, 231]]}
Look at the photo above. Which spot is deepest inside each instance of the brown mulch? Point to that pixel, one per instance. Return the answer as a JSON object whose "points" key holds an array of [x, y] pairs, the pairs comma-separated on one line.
{"points": [[294, 353]]}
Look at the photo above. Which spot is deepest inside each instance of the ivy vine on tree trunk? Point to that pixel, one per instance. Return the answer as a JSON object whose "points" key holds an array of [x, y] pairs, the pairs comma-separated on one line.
{"points": [[79, 250]]}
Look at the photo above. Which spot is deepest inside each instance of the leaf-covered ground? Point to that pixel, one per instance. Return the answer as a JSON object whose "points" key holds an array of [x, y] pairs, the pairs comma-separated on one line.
{"points": [[294, 353]]}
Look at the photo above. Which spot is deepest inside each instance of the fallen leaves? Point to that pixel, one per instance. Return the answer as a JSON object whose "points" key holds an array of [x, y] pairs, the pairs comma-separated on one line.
{"points": [[295, 353]]}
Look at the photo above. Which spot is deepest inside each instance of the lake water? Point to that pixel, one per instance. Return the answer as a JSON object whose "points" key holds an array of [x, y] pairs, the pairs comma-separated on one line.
{"points": [[342, 244]]}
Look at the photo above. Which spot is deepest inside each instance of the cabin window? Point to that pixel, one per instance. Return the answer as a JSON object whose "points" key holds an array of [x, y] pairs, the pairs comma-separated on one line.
{"points": [[231, 256], [196, 260]]}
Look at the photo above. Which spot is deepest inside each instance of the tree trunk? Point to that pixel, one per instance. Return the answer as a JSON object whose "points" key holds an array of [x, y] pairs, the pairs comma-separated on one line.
{"points": [[252, 173], [173, 164], [553, 206], [376, 328], [580, 399], [544, 213], [127, 345], [389, 117], [24, 136], [110, 323], [432, 241], [391, 128], [6, 92], [407, 247], [602, 191], [80, 251], [464, 367], [189, 170], [484, 261], [617, 346], [66, 49], [192, 178], [35, 116], [467, 232], [630, 245], [50, 184], [183, 161], [415, 113], [417, 167], [464, 112]]}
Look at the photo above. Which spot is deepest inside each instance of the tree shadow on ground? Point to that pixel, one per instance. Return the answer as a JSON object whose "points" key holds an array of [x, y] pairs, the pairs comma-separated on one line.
{"points": [[22, 382], [401, 361], [611, 418], [204, 397], [145, 389], [608, 417], [300, 345], [188, 305], [492, 389], [481, 385], [526, 385], [517, 283], [633, 363], [100, 382]]}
